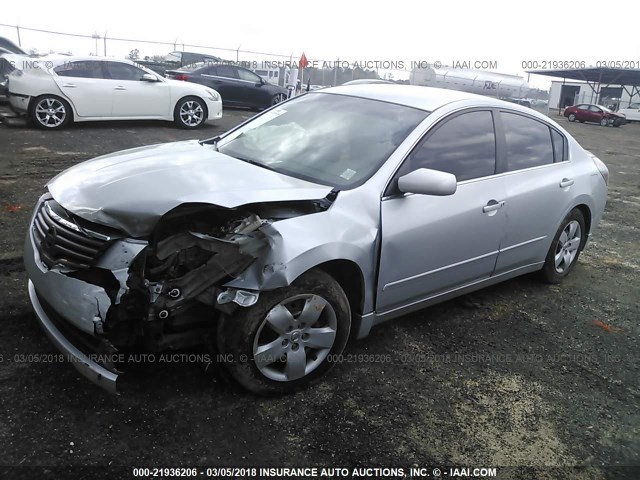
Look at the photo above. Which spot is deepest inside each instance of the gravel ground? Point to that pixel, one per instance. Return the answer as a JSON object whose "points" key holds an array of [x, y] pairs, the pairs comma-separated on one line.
{"points": [[520, 374]]}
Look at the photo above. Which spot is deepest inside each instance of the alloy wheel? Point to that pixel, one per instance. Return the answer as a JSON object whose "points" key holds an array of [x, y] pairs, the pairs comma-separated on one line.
{"points": [[567, 246], [191, 113], [280, 97], [295, 337], [50, 112]]}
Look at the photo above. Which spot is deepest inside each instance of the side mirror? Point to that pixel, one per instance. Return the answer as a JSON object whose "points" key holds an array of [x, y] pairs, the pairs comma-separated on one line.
{"points": [[147, 77], [425, 181]]}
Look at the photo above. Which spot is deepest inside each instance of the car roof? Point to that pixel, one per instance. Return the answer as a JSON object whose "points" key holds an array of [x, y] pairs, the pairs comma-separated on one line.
{"points": [[424, 98]]}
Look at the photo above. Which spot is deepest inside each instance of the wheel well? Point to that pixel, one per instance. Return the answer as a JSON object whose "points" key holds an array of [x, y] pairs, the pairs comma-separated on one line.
{"points": [[204, 104], [33, 100], [349, 276], [586, 213]]}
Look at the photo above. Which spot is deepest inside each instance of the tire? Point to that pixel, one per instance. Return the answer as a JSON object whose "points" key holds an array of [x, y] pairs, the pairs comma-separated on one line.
{"points": [[565, 248], [572, 117], [272, 345], [604, 122], [190, 113], [50, 112], [278, 98]]}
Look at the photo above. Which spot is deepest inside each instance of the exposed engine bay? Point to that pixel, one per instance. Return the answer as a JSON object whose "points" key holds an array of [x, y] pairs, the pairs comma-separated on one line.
{"points": [[172, 293]]}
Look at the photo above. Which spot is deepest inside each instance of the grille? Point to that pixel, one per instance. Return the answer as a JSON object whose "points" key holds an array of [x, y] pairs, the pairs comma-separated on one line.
{"points": [[62, 241]]}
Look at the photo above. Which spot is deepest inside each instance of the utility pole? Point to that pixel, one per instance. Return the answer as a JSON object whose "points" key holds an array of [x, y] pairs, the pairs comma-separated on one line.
{"points": [[96, 37]]}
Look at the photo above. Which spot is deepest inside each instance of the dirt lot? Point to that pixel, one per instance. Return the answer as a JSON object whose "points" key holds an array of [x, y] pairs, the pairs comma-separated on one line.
{"points": [[520, 374]]}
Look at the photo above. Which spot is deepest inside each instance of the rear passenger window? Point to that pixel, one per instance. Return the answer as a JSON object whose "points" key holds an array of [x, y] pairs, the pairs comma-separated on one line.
{"points": [[559, 150], [464, 146], [528, 142], [81, 69]]}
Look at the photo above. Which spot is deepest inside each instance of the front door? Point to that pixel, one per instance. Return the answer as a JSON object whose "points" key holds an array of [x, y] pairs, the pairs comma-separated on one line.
{"points": [[433, 244], [134, 97]]}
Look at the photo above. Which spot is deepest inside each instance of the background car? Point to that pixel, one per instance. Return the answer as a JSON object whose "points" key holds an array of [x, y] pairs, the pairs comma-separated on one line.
{"points": [[174, 60], [238, 86], [299, 229], [586, 112], [59, 90], [10, 55], [632, 113]]}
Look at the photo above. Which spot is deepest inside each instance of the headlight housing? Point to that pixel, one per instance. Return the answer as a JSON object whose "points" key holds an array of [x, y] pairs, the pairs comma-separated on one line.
{"points": [[213, 95]]}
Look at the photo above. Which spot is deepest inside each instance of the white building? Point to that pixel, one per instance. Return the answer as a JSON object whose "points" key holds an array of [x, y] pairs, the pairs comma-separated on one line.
{"points": [[573, 92]]}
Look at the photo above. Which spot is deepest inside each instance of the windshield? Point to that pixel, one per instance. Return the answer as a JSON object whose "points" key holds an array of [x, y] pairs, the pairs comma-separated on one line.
{"points": [[329, 139]]}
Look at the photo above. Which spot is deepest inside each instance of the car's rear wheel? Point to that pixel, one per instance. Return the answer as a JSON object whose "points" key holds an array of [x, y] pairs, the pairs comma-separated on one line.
{"points": [[290, 337], [604, 122], [50, 112], [190, 112], [565, 248], [572, 117]]}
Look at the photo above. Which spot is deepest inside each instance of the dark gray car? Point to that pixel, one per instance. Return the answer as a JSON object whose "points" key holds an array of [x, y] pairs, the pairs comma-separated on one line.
{"points": [[239, 87]]}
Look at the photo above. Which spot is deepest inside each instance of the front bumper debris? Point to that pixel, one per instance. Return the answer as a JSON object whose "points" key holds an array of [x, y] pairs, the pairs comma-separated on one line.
{"points": [[87, 367]]}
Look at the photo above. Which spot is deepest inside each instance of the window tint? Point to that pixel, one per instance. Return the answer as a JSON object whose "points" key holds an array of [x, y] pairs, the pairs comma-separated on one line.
{"points": [[123, 71], [593, 108], [528, 142], [248, 76], [86, 69], [558, 146], [227, 71], [464, 146], [583, 107]]}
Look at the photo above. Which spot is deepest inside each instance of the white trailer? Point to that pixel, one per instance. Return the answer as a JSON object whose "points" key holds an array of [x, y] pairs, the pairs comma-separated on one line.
{"points": [[481, 82]]}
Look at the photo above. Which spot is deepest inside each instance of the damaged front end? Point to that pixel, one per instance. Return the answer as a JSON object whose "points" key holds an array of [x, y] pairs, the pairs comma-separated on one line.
{"points": [[96, 291]]}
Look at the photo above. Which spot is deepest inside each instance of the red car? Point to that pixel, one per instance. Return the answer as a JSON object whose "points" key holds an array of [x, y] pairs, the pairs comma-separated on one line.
{"points": [[586, 112]]}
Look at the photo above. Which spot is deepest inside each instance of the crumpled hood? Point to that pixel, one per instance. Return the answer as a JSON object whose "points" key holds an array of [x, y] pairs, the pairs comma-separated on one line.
{"points": [[131, 190]]}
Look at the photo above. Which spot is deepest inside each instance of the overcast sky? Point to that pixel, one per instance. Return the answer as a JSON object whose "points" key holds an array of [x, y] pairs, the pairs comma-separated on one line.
{"points": [[399, 30]]}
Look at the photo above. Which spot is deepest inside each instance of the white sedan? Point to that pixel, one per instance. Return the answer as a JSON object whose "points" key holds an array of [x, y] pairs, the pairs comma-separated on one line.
{"points": [[632, 113], [57, 90]]}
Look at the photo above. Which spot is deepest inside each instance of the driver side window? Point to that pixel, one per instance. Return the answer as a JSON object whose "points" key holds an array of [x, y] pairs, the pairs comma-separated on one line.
{"points": [[465, 146], [124, 71]]}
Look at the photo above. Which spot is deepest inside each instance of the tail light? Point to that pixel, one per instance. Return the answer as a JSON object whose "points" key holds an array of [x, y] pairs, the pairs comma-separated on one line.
{"points": [[181, 76], [602, 168]]}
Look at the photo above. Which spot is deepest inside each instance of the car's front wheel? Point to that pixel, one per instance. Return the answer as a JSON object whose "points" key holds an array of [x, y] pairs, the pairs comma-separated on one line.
{"points": [[572, 117], [50, 112], [190, 112], [277, 98], [289, 338], [604, 122], [565, 248]]}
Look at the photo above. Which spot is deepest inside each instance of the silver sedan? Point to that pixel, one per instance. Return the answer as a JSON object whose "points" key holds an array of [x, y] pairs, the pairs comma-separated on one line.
{"points": [[305, 226]]}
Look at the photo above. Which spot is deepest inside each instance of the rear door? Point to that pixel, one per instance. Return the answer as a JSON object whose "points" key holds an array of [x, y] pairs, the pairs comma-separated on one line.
{"points": [[83, 83], [134, 97], [433, 244], [539, 187], [582, 113], [226, 81]]}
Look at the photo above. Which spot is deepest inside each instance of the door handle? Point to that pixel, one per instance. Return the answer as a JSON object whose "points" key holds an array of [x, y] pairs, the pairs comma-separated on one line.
{"points": [[492, 206], [566, 182], [69, 85], [119, 87]]}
